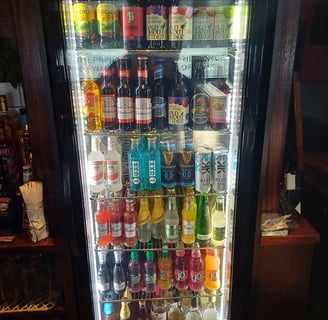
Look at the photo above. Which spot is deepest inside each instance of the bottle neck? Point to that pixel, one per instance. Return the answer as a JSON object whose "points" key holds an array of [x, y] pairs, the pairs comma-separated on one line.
{"points": [[158, 71]]}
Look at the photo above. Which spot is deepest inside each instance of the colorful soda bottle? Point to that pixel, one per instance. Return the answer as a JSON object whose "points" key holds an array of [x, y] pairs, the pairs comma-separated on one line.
{"points": [[103, 236], [203, 221], [136, 165], [189, 213], [150, 273], [143, 220], [130, 224], [196, 269], [153, 165], [164, 267], [116, 223], [181, 274], [135, 273], [212, 270]]}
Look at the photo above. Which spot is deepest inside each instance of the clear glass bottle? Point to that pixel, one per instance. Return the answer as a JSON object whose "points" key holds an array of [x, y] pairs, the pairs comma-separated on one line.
{"points": [[218, 223], [171, 218], [194, 312], [143, 219], [157, 215]]}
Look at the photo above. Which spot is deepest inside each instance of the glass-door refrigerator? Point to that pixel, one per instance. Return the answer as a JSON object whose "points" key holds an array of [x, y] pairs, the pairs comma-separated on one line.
{"points": [[160, 109]]}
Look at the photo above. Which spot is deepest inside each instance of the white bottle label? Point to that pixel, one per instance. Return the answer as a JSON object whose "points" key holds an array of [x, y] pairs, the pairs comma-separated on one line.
{"points": [[95, 173], [116, 230], [188, 227], [130, 230]]}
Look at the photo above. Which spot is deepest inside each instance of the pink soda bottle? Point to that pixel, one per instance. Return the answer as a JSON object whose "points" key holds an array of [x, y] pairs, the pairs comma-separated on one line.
{"points": [[196, 269], [181, 273]]}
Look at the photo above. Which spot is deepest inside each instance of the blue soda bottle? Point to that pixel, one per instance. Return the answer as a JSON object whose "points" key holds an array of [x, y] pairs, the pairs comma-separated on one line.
{"points": [[153, 165], [136, 166]]}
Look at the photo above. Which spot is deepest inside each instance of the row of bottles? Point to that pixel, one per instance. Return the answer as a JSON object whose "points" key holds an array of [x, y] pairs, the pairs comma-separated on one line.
{"points": [[173, 274], [153, 162], [158, 104], [152, 24], [191, 308], [118, 223]]}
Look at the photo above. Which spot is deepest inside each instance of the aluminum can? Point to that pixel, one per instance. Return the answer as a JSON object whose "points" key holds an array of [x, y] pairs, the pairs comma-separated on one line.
{"points": [[219, 168], [203, 164]]}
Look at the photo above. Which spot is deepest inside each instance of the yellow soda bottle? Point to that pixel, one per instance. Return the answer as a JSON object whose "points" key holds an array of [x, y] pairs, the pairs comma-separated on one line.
{"points": [[188, 213]]}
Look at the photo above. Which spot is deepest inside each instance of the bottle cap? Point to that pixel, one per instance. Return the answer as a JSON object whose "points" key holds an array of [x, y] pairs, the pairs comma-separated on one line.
{"points": [[149, 255]]}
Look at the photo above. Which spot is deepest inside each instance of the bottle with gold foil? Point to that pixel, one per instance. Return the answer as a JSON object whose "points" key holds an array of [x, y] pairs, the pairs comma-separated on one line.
{"points": [[125, 313]]}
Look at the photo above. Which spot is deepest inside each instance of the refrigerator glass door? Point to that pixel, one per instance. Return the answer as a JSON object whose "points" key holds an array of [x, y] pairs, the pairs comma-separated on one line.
{"points": [[192, 136]]}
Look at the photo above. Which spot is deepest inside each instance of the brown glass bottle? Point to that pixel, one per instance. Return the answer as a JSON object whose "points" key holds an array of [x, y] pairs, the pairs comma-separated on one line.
{"points": [[125, 98], [143, 112], [108, 104], [133, 25]]}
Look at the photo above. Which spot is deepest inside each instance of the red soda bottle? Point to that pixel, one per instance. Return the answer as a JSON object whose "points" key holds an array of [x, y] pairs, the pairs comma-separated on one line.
{"points": [[181, 273], [196, 270], [116, 223]]}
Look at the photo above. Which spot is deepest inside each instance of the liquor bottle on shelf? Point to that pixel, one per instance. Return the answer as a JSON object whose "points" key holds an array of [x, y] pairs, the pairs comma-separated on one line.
{"points": [[180, 25], [113, 166], [210, 312], [91, 101], [108, 24], [116, 222], [171, 218], [143, 111], [81, 18], [119, 279], [158, 309], [108, 100], [219, 168], [175, 312], [150, 273], [136, 164], [194, 312], [24, 140], [196, 269], [130, 224], [189, 213], [103, 234], [133, 25], [125, 97], [159, 96], [125, 313], [169, 159], [164, 267], [203, 221], [153, 165], [95, 171], [135, 283], [143, 219], [203, 165], [199, 103], [178, 102], [212, 269], [157, 215], [181, 273], [218, 222], [103, 278], [142, 312], [156, 24]]}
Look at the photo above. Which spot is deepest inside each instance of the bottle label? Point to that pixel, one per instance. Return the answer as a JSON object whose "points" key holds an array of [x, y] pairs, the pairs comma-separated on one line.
{"points": [[119, 286], [95, 173], [188, 228], [180, 23], [143, 110], [218, 233], [152, 172], [158, 107], [180, 275], [130, 230], [125, 109], [108, 108], [219, 172], [116, 230], [4, 206], [203, 23], [107, 17], [132, 22], [186, 168], [178, 113], [203, 237], [101, 230], [212, 275], [135, 173], [199, 106], [159, 313], [90, 101], [168, 168], [81, 16], [156, 22], [196, 277], [150, 279], [113, 169], [218, 110], [171, 231], [135, 279], [163, 275]]}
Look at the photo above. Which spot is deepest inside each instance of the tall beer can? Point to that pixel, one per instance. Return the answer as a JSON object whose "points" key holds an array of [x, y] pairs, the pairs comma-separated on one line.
{"points": [[219, 168], [203, 164]]}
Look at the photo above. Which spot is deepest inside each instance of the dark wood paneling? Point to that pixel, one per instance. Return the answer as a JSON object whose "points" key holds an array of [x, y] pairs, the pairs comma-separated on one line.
{"points": [[7, 29]]}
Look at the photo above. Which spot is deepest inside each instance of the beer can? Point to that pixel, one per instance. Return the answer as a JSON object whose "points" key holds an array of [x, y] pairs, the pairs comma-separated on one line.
{"points": [[219, 168], [203, 164]]}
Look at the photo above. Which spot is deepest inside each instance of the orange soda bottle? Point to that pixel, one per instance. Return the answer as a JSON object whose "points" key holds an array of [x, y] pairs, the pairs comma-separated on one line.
{"points": [[212, 269]]}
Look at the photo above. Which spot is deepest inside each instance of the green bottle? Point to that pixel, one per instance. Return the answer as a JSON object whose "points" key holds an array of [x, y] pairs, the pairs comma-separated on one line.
{"points": [[203, 221]]}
